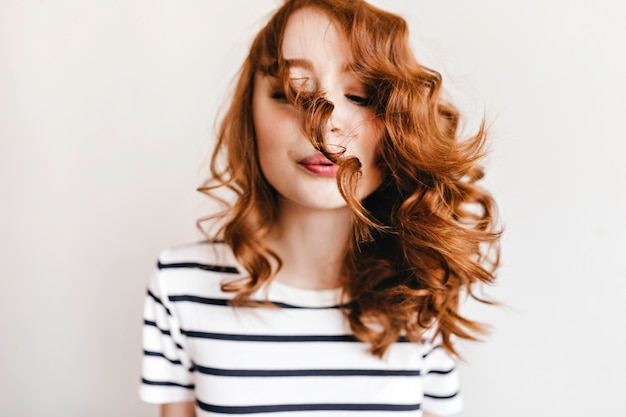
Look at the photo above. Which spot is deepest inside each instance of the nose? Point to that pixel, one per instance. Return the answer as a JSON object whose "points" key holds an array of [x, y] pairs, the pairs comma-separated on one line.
{"points": [[338, 122]]}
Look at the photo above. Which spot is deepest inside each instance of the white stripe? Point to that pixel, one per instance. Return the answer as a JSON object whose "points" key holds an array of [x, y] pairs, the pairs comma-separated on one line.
{"points": [[312, 355], [234, 391], [262, 320], [159, 369]]}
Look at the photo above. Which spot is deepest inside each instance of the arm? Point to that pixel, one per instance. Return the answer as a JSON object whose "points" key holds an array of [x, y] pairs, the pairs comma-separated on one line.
{"points": [[186, 409], [166, 374], [442, 389]]}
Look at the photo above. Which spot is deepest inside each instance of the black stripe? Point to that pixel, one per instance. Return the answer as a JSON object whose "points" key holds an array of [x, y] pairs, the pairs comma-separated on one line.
{"points": [[440, 372], [151, 323], [275, 338], [204, 267], [201, 300], [225, 302], [304, 372], [431, 351], [304, 407], [161, 355], [441, 397], [167, 384], [158, 301], [269, 338], [165, 332]]}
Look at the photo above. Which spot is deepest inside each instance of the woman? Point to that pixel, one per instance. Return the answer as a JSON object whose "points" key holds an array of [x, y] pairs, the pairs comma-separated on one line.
{"points": [[356, 224]]}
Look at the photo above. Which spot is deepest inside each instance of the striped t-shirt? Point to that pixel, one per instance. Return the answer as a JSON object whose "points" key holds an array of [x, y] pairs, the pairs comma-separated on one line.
{"points": [[297, 358]]}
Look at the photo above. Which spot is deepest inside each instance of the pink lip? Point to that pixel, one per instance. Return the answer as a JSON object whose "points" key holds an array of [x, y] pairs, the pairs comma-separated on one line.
{"points": [[319, 165]]}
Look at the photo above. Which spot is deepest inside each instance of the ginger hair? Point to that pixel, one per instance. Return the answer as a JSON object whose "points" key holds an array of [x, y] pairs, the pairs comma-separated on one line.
{"points": [[425, 237]]}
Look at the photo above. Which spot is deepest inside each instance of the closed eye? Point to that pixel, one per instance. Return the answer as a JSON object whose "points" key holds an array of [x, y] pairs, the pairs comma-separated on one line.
{"points": [[358, 100], [279, 96]]}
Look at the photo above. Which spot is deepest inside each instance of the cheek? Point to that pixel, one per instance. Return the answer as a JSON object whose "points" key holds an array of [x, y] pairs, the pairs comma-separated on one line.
{"points": [[265, 128], [274, 132], [370, 142], [272, 124], [265, 144]]}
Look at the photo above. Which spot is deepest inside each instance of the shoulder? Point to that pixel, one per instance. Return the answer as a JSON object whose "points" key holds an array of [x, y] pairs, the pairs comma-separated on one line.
{"points": [[213, 256], [195, 268]]}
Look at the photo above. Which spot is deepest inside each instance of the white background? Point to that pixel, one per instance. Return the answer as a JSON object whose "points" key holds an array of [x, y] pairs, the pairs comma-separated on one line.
{"points": [[107, 113]]}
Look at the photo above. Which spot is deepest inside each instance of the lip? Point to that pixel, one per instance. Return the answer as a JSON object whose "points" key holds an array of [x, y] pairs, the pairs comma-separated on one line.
{"points": [[319, 165]]}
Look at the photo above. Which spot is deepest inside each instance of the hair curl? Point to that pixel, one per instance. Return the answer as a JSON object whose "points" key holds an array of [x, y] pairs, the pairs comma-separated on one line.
{"points": [[425, 236]]}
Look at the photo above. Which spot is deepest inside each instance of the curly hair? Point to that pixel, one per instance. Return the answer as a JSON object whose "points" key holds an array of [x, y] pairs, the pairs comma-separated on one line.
{"points": [[427, 235]]}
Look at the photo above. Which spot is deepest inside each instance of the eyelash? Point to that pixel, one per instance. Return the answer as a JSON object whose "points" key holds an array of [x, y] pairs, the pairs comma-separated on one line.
{"points": [[279, 96], [358, 100]]}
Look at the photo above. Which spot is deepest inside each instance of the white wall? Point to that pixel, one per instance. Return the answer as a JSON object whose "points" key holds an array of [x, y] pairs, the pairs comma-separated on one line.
{"points": [[106, 116]]}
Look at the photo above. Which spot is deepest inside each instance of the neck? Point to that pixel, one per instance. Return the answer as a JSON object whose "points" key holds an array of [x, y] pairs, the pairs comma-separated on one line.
{"points": [[311, 243]]}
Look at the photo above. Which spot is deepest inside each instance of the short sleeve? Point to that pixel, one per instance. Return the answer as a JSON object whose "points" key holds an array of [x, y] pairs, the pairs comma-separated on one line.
{"points": [[442, 389], [167, 371]]}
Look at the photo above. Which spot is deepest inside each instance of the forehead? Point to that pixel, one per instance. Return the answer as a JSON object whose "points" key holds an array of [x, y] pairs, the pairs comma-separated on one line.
{"points": [[311, 35]]}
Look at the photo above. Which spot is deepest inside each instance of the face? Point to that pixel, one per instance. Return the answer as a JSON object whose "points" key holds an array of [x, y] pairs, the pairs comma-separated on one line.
{"points": [[319, 56]]}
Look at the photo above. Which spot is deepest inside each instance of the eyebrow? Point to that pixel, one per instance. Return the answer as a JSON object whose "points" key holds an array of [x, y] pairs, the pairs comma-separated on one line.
{"points": [[308, 65], [303, 63]]}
